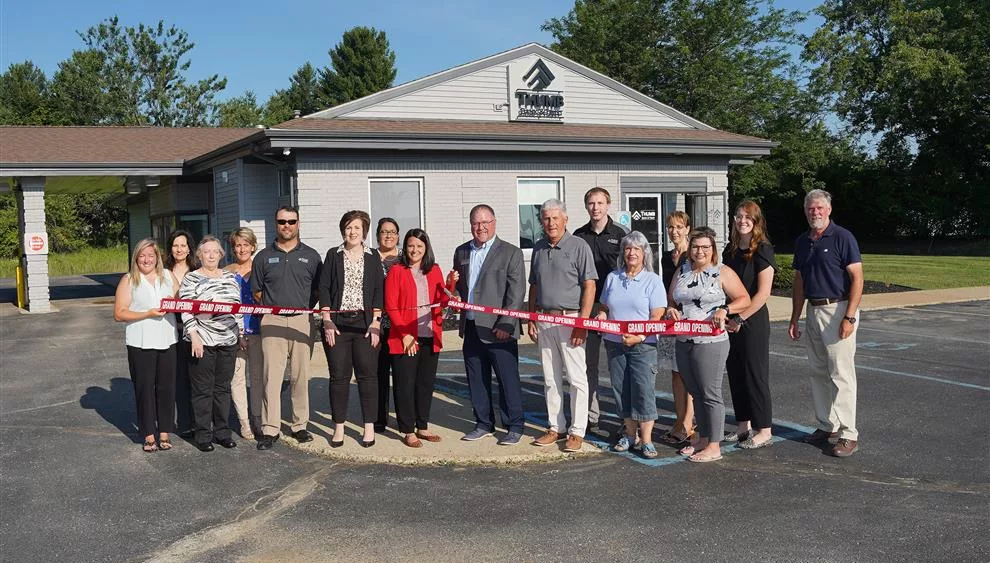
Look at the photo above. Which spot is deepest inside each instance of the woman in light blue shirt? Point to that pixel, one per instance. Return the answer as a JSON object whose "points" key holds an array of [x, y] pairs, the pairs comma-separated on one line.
{"points": [[150, 337], [633, 292]]}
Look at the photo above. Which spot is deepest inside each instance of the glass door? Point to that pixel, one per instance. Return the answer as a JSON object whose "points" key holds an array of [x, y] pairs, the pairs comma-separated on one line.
{"points": [[645, 217]]}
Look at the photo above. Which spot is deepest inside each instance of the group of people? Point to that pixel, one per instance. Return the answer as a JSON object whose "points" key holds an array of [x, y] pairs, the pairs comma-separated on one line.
{"points": [[381, 322]]}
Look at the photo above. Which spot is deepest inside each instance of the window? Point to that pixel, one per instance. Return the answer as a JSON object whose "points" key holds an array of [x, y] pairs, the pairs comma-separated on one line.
{"points": [[194, 223], [398, 198], [531, 193]]}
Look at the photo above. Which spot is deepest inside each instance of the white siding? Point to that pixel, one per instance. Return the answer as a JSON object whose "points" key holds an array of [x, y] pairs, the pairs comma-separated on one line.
{"points": [[473, 96], [330, 186], [226, 205], [259, 200]]}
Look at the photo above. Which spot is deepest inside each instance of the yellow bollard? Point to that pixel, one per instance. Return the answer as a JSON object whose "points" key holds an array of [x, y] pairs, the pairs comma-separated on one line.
{"points": [[21, 285]]}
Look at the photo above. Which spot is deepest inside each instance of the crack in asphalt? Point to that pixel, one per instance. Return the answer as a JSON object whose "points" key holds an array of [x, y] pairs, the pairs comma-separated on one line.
{"points": [[251, 520]]}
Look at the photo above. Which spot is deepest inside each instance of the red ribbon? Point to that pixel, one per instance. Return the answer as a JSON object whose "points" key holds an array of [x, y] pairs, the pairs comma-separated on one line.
{"points": [[663, 328]]}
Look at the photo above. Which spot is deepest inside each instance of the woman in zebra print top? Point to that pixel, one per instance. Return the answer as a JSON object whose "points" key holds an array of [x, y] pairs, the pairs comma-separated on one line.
{"points": [[214, 340]]}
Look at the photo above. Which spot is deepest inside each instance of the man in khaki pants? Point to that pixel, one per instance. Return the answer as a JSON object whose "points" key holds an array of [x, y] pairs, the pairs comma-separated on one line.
{"points": [[562, 278], [828, 273], [286, 274]]}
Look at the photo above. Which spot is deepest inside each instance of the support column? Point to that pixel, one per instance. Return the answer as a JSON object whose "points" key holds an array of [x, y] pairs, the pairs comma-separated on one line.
{"points": [[31, 219]]}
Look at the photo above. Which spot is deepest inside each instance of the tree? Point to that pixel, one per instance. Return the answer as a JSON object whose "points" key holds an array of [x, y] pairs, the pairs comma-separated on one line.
{"points": [[724, 62], [133, 76], [916, 73], [303, 94], [361, 64], [79, 94], [23, 95], [242, 111]]}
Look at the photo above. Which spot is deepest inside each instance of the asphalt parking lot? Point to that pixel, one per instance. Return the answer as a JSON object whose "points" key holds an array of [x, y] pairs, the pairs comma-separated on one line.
{"points": [[76, 486]]}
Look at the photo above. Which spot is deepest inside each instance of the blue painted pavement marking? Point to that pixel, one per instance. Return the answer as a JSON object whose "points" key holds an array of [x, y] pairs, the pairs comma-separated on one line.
{"points": [[794, 430]]}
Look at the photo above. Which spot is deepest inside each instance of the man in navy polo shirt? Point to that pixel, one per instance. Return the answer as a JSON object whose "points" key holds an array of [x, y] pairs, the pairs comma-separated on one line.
{"points": [[828, 273]]}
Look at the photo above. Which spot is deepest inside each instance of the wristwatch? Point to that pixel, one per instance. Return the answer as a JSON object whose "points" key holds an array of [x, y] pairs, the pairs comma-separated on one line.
{"points": [[852, 320]]}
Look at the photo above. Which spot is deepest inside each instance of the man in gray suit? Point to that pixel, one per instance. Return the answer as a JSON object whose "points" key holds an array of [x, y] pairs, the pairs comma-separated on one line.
{"points": [[490, 272]]}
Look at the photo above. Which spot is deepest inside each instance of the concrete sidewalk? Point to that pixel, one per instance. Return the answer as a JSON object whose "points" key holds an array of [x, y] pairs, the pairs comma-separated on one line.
{"points": [[452, 415]]}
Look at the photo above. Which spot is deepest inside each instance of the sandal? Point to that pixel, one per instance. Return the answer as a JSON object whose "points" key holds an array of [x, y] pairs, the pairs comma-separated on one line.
{"points": [[704, 458], [648, 450], [164, 444], [749, 444], [412, 441], [150, 446], [686, 450], [672, 439]]}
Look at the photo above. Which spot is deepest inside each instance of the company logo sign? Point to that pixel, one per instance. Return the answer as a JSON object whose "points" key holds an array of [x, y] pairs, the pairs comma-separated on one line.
{"points": [[536, 92]]}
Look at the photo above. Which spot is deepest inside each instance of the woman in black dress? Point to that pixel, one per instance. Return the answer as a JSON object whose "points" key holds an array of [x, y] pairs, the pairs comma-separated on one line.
{"points": [[750, 255]]}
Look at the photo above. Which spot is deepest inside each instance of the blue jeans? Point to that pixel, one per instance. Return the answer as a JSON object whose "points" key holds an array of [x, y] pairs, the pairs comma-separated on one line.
{"points": [[634, 379]]}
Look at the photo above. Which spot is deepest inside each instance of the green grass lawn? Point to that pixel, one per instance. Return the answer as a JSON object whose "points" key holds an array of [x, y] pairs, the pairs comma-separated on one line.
{"points": [[87, 261], [922, 272]]}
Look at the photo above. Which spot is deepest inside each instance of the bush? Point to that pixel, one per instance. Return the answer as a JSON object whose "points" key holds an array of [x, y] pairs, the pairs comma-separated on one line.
{"points": [[783, 278]]}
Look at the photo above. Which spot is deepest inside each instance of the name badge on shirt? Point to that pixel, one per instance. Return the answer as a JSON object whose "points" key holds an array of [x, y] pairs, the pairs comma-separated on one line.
{"points": [[613, 241], [304, 260], [274, 260]]}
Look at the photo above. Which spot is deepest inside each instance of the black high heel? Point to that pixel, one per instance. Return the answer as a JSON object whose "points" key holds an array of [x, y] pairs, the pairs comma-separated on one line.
{"points": [[336, 444], [367, 444]]}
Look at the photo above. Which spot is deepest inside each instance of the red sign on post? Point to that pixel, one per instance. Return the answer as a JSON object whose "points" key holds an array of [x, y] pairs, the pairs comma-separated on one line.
{"points": [[36, 243]]}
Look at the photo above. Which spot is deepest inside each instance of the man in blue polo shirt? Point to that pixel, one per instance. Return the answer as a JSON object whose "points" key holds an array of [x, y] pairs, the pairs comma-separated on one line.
{"points": [[828, 273]]}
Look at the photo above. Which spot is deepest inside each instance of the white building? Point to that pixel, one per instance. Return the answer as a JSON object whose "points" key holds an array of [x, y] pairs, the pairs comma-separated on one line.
{"points": [[511, 130]]}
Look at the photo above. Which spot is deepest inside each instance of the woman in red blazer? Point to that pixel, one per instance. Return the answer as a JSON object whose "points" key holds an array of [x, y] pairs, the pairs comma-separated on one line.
{"points": [[415, 338]]}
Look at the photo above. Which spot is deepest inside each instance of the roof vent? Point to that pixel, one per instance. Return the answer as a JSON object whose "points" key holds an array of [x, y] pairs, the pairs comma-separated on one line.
{"points": [[296, 114]]}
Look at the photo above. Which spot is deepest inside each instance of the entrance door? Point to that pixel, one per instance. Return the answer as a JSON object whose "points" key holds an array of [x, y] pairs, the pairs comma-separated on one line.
{"points": [[645, 213]]}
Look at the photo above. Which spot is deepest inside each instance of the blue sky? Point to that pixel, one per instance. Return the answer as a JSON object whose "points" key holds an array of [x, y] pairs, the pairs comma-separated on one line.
{"points": [[258, 45]]}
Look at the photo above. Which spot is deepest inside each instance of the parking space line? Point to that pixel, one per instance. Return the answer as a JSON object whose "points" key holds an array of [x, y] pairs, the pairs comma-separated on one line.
{"points": [[901, 373], [942, 311], [925, 336]]}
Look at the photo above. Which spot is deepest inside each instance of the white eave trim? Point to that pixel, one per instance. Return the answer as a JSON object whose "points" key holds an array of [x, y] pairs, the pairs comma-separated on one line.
{"points": [[90, 169], [499, 58]]}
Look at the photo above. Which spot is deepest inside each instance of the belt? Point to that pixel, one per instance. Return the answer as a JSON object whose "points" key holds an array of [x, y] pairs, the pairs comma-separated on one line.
{"points": [[349, 314], [289, 314], [558, 311], [827, 300]]}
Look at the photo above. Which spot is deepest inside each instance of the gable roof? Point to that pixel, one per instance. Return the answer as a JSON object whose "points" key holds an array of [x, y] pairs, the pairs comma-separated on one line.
{"points": [[502, 58], [40, 150]]}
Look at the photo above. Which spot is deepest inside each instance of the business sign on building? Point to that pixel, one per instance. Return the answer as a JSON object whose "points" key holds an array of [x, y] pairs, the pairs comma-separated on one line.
{"points": [[536, 91]]}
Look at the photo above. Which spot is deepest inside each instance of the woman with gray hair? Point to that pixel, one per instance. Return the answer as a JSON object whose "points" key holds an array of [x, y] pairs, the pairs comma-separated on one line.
{"points": [[633, 292], [213, 339]]}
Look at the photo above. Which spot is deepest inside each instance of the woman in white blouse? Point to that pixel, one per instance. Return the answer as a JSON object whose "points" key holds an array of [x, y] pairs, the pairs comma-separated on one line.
{"points": [[150, 337]]}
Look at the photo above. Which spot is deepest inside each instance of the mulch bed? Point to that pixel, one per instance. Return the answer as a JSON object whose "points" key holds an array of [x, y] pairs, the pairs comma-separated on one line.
{"points": [[868, 287]]}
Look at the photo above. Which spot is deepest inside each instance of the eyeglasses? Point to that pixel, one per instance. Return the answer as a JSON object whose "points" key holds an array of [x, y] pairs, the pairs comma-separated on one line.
{"points": [[287, 221], [705, 247], [479, 224], [388, 233]]}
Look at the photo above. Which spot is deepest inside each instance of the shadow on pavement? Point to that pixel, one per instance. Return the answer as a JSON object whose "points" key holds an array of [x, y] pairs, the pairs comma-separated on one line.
{"points": [[115, 405]]}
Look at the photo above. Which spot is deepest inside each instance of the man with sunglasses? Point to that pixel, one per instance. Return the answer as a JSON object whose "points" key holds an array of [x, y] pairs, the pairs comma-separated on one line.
{"points": [[286, 274]]}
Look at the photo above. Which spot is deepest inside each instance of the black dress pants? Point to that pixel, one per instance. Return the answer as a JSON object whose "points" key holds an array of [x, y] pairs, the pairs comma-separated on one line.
{"points": [[352, 353], [183, 405], [153, 374], [748, 367], [209, 383], [384, 373], [414, 379]]}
